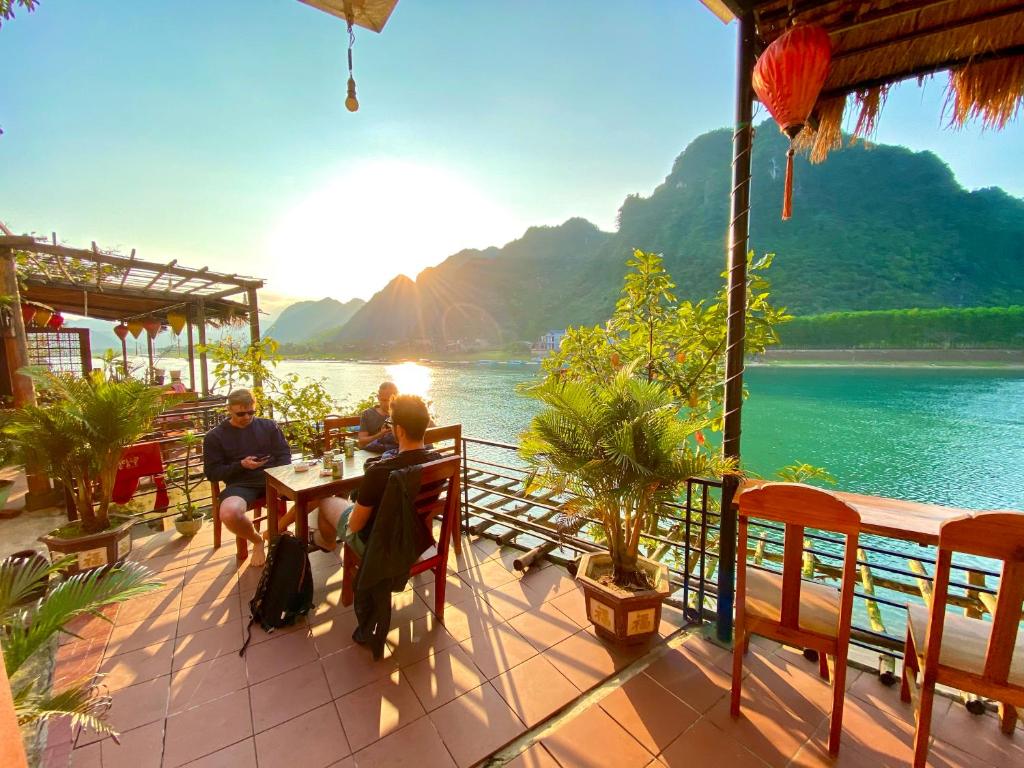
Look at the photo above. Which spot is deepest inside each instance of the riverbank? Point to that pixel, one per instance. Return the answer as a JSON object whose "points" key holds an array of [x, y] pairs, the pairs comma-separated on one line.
{"points": [[894, 358]]}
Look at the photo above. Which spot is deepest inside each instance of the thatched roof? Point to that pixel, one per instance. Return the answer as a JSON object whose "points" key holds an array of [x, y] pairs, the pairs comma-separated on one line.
{"points": [[110, 286], [878, 43], [371, 14]]}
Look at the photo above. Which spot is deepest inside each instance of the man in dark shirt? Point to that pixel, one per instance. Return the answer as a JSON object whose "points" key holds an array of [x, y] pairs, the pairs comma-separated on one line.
{"points": [[409, 418], [235, 452], [374, 430]]}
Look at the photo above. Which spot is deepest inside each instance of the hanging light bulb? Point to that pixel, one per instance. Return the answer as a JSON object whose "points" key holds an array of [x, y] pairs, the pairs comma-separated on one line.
{"points": [[351, 102]]}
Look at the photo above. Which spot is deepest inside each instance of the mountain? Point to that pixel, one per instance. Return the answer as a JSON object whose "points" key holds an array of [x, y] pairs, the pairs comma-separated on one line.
{"points": [[879, 227], [305, 320], [496, 295]]}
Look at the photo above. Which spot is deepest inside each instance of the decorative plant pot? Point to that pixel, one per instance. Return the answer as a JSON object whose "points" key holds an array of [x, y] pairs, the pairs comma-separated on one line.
{"points": [[94, 550], [188, 527], [623, 616], [6, 486]]}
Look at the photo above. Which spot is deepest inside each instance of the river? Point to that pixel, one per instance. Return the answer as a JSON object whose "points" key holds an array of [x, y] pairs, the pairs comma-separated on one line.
{"points": [[948, 436]]}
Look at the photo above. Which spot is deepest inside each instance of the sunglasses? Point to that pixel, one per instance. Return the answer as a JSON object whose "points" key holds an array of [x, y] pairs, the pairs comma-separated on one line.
{"points": [[242, 413]]}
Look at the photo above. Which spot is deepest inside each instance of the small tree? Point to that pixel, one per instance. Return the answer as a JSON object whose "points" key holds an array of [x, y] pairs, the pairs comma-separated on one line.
{"points": [[80, 435], [181, 477]]}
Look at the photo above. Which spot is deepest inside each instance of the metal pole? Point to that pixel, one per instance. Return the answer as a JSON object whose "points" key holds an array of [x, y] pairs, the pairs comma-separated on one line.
{"points": [[201, 322], [191, 349], [254, 331], [739, 227], [124, 355]]}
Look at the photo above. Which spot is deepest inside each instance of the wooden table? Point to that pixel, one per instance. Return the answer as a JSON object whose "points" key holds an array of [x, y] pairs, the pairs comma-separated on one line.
{"points": [[893, 518], [310, 486]]}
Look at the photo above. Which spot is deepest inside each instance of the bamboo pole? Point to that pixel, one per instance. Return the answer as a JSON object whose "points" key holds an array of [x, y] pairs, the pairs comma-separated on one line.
{"points": [[203, 370], [924, 584], [867, 580]]}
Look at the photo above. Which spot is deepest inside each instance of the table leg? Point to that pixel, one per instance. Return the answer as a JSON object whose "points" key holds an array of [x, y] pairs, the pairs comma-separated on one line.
{"points": [[271, 497], [457, 531], [301, 521]]}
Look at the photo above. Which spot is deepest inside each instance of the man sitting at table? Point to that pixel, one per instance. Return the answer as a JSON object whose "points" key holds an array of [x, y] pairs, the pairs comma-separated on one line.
{"points": [[374, 429], [235, 452]]}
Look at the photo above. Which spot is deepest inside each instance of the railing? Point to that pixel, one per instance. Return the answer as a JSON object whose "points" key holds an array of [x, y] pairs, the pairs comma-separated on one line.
{"points": [[496, 505]]}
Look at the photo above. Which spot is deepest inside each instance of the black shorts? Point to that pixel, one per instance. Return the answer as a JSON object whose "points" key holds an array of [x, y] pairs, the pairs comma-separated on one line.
{"points": [[248, 492]]}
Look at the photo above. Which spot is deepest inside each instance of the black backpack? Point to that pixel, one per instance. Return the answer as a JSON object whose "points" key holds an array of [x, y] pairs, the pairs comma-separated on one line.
{"points": [[285, 591]]}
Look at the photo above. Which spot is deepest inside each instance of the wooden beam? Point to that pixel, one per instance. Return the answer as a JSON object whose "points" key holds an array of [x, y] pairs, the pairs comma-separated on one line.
{"points": [[254, 331], [184, 280], [170, 265], [99, 269], [203, 370], [128, 268], [191, 348]]}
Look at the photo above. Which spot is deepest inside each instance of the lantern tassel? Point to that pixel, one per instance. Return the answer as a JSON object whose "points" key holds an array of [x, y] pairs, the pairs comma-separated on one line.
{"points": [[787, 195]]}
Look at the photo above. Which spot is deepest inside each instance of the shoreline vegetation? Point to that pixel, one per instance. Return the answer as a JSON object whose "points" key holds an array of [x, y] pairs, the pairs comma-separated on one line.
{"points": [[1009, 359]]}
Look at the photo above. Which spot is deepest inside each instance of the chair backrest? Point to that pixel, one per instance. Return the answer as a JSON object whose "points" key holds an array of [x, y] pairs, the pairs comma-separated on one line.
{"points": [[449, 437], [995, 535], [334, 426], [797, 507], [438, 496]]}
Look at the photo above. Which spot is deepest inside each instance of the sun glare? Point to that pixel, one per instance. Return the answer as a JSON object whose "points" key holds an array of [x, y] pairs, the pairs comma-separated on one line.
{"points": [[411, 379], [376, 220]]}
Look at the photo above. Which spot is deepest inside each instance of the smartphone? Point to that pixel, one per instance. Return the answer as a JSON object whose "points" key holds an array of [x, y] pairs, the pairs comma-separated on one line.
{"points": [[264, 457]]}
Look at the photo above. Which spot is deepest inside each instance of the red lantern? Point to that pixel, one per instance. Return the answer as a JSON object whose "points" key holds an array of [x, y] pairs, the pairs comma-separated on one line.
{"points": [[55, 322], [121, 331], [788, 78], [27, 313], [152, 327]]}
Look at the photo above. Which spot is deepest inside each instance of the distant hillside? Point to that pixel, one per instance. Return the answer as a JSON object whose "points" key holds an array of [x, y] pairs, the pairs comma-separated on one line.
{"points": [[307, 319], [878, 228]]}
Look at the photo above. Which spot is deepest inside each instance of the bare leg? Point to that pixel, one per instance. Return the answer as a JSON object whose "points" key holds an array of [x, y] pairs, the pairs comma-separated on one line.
{"points": [[327, 518], [283, 523], [232, 515]]}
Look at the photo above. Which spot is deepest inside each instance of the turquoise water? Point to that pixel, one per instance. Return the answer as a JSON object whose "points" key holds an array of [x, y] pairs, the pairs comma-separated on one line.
{"points": [[940, 435]]}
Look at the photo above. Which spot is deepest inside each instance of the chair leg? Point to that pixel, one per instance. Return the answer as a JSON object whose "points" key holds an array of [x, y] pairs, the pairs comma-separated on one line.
{"points": [[348, 576], [823, 666], [742, 640], [909, 667], [241, 548], [1007, 718], [924, 723], [835, 728], [440, 583], [216, 528]]}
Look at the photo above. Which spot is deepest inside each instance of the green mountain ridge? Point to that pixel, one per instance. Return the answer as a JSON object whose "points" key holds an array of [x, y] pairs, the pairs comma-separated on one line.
{"points": [[305, 320], [873, 228]]}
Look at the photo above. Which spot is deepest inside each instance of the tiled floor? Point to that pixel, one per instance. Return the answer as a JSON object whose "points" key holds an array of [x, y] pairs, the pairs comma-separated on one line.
{"points": [[513, 650]]}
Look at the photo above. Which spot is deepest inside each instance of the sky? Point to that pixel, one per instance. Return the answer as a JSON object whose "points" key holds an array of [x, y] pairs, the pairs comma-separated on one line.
{"points": [[216, 133]]}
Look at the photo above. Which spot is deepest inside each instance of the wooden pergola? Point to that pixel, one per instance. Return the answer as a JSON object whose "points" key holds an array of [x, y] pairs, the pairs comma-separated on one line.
{"points": [[875, 44], [109, 286]]}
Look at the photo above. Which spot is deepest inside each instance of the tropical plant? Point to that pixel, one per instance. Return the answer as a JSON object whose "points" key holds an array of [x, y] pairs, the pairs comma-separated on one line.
{"points": [[7, 8], [182, 477], [622, 449], [28, 630], [79, 437], [679, 343], [801, 472]]}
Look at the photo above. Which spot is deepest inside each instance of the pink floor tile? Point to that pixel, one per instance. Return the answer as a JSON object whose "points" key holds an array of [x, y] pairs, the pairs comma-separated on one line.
{"points": [[131, 637], [354, 668], [138, 748], [648, 712], [512, 599], [534, 689], [497, 649], [375, 710], [207, 728], [591, 739], [288, 695], [206, 645], [544, 626], [469, 617], [204, 682], [476, 724], [312, 740], [690, 673], [196, 618], [239, 755], [334, 633], [417, 743], [977, 735], [444, 676], [535, 757], [146, 607], [89, 756], [706, 745], [138, 666], [279, 654], [418, 639]]}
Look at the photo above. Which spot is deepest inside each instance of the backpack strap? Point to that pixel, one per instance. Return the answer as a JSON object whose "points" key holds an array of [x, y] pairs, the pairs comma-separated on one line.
{"points": [[248, 636]]}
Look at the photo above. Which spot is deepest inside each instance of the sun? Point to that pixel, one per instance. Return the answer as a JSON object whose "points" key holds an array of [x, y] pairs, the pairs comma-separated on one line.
{"points": [[376, 220], [411, 379]]}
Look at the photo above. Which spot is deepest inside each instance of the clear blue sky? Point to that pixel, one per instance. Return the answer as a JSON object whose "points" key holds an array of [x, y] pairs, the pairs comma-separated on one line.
{"points": [[215, 132]]}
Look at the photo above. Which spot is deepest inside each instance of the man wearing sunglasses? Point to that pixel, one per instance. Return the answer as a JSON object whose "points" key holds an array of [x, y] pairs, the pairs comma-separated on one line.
{"points": [[235, 453]]}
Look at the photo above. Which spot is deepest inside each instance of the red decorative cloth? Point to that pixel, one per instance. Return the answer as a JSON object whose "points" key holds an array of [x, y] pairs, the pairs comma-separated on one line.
{"points": [[139, 461]]}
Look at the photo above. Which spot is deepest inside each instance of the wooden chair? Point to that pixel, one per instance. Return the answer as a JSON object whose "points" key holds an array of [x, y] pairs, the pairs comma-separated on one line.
{"points": [[335, 426], [982, 657], [781, 606], [447, 441], [241, 544], [438, 497]]}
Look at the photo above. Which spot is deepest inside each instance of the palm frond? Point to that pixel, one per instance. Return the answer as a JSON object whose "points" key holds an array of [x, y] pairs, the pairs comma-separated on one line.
{"points": [[81, 702], [23, 576], [82, 593]]}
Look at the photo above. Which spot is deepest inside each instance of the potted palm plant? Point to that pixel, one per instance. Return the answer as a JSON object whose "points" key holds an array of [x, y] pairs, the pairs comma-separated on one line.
{"points": [[621, 450], [78, 436], [27, 634], [190, 518]]}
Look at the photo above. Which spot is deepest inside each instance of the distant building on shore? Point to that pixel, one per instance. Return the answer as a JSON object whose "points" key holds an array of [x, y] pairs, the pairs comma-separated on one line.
{"points": [[547, 344]]}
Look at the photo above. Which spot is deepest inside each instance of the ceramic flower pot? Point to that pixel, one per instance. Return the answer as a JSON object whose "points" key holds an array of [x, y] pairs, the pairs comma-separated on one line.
{"points": [[626, 617], [188, 527], [94, 550]]}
